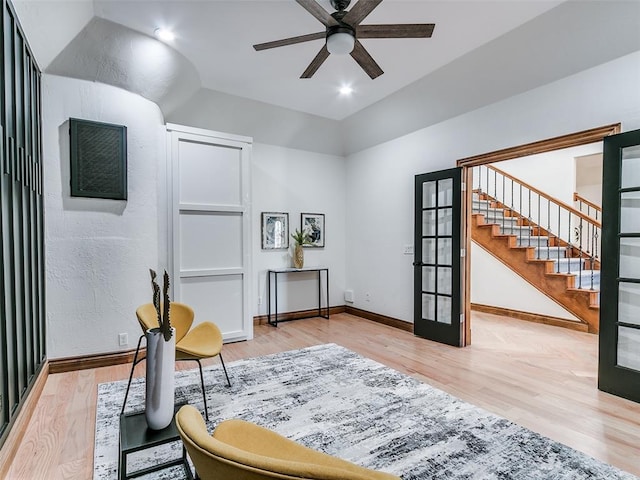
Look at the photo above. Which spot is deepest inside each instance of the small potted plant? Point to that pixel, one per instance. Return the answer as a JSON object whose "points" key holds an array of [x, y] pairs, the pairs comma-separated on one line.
{"points": [[300, 237]]}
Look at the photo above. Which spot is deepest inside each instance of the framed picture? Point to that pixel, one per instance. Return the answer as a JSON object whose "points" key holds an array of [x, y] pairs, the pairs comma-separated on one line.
{"points": [[313, 224], [275, 231], [98, 159]]}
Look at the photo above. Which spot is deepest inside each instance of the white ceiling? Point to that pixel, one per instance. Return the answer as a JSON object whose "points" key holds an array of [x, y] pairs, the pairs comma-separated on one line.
{"points": [[217, 37]]}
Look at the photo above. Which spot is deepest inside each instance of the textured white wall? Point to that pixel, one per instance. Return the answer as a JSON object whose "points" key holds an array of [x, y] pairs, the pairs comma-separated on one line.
{"points": [[380, 179], [296, 181], [98, 251]]}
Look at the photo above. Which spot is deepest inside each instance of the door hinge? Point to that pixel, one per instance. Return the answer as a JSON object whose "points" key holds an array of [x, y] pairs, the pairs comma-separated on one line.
{"points": [[462, 319], [463, 187], [463, 253]]}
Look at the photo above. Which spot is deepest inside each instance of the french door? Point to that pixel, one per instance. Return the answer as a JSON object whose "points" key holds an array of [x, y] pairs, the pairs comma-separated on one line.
{"points": [[619, 364], [437, 279]]}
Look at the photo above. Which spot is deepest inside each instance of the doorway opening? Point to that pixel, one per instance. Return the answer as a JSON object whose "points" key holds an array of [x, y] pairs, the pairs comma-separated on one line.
{"points": [[522, 215]]}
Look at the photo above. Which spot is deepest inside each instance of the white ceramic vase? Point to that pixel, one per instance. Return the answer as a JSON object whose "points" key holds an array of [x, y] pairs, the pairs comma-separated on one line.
{"points": [[159, 400]]}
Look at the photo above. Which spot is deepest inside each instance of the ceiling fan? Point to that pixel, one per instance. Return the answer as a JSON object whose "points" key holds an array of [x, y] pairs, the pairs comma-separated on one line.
{"points": [[343, 31]]}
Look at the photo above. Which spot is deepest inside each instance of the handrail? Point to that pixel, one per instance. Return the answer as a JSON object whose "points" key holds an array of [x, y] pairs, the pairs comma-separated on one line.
{"points": [[578, 198], [555, 230], [571, 209]]}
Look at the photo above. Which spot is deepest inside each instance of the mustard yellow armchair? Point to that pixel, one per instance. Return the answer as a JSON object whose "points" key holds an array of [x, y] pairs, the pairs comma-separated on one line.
{"points": [[241, 450], [197, 343]]}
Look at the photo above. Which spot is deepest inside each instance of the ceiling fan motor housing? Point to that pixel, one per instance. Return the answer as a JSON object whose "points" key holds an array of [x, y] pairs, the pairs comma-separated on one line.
{"points": [[340, 4]]}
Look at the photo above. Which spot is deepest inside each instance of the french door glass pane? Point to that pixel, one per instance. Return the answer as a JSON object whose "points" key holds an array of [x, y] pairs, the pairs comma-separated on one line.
{"points": [[444, 280], [445, 221], [630, 167], [630, 212], [429, 222], [428, 306], [429, 194], [445, 246], [629, 303], [629, 347], [445, 192], [429, 279], [429, 250], [444, 309], [630, 257]]}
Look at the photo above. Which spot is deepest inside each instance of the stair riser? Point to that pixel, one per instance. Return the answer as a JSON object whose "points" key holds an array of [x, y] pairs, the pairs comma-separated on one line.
{"points": [[565, 280], [550, 253], [532, 241], [568, 265], [506, 221]]}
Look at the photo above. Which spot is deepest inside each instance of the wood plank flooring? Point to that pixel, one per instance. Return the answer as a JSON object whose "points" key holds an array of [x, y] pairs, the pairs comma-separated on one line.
{"points": [[540, 376]]}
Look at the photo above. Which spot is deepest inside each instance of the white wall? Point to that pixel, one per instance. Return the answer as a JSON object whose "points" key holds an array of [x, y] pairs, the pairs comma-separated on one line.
{"points": [[380, 179], [589, 178], [552, 172], [98, 251], [489, 279], [296, 181]]}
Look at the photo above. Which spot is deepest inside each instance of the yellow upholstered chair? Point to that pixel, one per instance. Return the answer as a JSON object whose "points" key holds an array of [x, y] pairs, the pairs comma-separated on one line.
{"points": [[197, 343], [241, 450]]}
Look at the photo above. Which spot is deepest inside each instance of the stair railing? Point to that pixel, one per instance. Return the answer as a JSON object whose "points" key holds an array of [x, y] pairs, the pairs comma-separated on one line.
{"points": [[586, 206], [531, 214]]}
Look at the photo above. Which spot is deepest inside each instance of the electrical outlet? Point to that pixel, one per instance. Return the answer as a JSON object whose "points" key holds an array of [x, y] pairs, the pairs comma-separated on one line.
{"points": [[408, 250], [123, 339], [367, 297], [260, 300]]}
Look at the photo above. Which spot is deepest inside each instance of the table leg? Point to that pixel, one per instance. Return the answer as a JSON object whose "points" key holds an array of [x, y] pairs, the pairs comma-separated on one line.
{"points": [[328, 304], [275, 290], [319, 293], [269, 297]]}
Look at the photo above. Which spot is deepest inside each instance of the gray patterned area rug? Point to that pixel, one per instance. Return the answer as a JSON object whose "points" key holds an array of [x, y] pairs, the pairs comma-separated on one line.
{"points": [[334, 400]]}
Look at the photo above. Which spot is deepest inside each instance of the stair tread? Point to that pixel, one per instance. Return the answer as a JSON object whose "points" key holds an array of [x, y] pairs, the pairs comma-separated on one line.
{"points": [[564, 263]]}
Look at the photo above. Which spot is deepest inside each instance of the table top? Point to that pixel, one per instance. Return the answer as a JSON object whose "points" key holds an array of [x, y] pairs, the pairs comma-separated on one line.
{"points": [[135, 433], [303, 269]]}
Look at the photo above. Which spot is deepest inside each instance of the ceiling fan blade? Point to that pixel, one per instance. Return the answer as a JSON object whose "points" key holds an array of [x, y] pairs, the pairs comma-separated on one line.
{"points": [[408, 30], [313, 67], [317, 11], [366, 61], [359, 11], [290, 41]]}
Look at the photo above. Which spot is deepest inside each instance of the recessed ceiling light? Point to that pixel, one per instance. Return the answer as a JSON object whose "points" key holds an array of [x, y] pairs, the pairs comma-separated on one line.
{"points": [[164, 34], [346, 90]]}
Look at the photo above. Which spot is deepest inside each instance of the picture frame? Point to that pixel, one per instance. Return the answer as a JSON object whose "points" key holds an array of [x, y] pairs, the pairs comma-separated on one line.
{"points": [[275, 230], [98, 154], [313, 223]]}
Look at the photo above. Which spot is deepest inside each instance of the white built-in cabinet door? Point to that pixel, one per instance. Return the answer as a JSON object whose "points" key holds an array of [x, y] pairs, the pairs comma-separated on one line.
{"points": [[210, 226]]}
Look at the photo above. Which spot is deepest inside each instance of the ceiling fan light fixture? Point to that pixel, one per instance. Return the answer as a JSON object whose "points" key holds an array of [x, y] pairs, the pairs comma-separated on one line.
{"points": [[340, 40]]}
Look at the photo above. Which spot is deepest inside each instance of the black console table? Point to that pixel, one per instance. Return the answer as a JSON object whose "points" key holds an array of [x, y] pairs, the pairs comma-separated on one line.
{"points": [[136, 436], [277, 271]]}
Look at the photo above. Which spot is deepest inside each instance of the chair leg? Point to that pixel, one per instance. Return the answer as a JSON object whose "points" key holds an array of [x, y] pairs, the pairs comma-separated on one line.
{"points": [[225, 369], [133, 366], [204, 395]]}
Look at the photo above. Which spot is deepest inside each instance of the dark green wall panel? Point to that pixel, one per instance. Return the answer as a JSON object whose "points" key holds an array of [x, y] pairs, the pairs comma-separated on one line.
{"points": [[22, 303]]}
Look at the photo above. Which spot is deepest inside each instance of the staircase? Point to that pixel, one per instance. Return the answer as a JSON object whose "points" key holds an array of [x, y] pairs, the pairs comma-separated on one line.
{"points": [[565, 267]]}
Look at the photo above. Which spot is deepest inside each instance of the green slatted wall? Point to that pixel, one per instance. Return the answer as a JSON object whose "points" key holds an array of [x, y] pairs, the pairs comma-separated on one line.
{"points": [[22, 325]]}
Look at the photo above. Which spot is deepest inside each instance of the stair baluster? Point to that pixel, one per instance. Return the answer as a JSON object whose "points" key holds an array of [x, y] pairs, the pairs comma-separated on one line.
{"points": [[548, 226], [573, 236]]}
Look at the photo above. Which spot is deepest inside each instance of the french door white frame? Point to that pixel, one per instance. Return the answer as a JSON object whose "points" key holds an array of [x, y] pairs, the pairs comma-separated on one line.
{"points": [[176, 134]]}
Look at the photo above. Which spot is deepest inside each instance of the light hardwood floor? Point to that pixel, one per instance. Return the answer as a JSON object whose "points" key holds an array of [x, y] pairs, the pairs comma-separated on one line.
{"points": [[539, 376]]}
